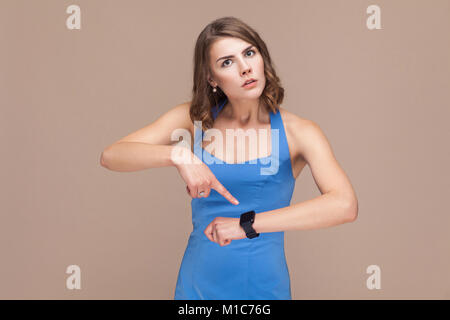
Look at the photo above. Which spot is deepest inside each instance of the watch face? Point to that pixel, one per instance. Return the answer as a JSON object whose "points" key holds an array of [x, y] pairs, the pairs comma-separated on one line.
{"points": [[248, 217], [246, 222]]}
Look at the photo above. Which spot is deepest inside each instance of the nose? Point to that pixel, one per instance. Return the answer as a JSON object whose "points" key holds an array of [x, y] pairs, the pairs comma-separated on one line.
{"points": [[245, 68]]}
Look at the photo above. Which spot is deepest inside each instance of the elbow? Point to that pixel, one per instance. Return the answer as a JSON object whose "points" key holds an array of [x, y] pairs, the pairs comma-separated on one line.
{"points": [[103, 161], [351, 210], [104, 158]]}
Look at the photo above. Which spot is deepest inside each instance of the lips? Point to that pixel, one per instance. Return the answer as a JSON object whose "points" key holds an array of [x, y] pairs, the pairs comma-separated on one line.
{"points": [[248, 81]]}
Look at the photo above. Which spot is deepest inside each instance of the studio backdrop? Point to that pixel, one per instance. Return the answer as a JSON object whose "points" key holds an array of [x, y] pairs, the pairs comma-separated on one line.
{"points": [[76, 76]]}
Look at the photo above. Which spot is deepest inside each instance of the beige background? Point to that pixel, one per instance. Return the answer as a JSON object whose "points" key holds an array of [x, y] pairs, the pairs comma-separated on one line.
{"points": [[381, 96]]}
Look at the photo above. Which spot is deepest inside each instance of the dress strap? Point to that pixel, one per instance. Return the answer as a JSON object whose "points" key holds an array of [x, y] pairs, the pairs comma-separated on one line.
{"points": [[280, 137], [217, 108], [199, 133], [280, 149]]}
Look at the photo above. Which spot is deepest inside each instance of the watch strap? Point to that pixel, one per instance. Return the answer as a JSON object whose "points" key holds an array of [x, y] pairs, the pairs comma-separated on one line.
{"points": [[246, 222]]}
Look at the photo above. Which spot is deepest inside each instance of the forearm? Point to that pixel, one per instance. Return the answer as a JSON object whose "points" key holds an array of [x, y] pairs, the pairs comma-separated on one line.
{"points": [[135, 156], [323, 211]]}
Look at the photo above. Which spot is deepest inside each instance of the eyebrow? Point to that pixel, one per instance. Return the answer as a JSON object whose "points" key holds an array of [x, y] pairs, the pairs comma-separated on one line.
{"points": [[231, 56]]}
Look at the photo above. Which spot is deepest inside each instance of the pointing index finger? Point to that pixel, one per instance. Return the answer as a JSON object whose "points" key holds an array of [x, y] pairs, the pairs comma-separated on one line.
{"points": [[216, 185]]}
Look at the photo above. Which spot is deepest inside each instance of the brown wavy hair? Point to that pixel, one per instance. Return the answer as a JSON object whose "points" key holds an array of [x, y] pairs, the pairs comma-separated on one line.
{"points": [[203, 99]]}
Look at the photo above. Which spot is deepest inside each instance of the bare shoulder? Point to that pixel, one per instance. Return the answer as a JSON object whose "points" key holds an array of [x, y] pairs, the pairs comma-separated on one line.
{"points": [[185, 111], [180, 113], [160, 130], [183, 108], [304, 136], [291, 119], [298, 129]]}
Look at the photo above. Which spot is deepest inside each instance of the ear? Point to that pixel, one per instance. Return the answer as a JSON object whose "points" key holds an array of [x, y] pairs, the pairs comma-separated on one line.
{"points": [[209, 77], [212, 82]]}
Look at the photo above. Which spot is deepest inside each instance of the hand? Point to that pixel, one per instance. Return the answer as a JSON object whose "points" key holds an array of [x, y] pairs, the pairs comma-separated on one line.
{"points": [[222, 230], [198, 177]]}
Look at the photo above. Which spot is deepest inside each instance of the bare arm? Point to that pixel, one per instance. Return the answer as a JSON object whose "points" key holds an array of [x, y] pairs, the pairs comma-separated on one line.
{"points": [[152, 147], [336, 205], [148, 147], [135, 156]]}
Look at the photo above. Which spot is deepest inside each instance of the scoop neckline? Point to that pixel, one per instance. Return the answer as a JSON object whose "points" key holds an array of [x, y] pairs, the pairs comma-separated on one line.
{"points": [[271, 115]]}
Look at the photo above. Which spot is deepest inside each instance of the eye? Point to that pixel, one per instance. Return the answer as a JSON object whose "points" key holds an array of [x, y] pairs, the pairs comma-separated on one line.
{"points": [[223, 64], [251, 50]]}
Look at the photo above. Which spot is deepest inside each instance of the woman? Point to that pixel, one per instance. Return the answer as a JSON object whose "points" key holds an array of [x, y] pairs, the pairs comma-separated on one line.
{"points": [[240, 206]]}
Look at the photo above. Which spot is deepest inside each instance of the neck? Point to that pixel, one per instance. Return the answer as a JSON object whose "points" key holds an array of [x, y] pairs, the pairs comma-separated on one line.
{"points": [[245, 111]]}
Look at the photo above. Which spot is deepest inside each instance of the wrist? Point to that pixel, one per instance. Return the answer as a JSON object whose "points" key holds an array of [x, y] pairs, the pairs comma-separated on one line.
{"points": [[255, 225], [246, 222], [180, 155]]}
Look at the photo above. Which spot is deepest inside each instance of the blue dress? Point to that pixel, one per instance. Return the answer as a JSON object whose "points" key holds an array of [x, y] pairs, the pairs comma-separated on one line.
{"points": [[245, 269]]}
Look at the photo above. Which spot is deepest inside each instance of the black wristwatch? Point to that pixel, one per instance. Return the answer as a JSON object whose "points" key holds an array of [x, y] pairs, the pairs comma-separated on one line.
{"points": [[246, 222]]}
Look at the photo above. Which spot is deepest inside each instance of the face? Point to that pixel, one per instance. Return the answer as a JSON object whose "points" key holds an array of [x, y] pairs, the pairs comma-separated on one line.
{"points": [[232, 62]]}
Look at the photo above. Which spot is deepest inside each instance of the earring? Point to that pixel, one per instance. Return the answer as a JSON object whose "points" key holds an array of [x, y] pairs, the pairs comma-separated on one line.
{"points": [[214, 89]]}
